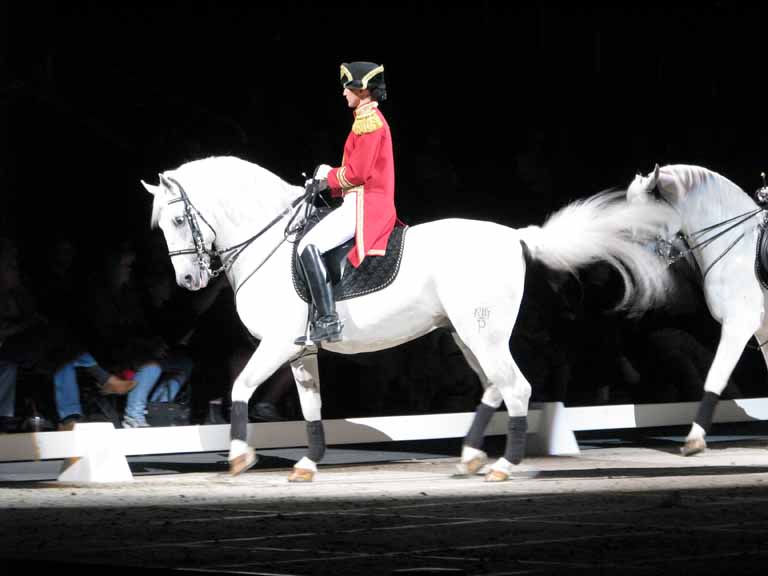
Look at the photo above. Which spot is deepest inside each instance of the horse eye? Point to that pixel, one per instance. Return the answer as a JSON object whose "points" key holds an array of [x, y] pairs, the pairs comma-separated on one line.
{"points": [[178, 220]]}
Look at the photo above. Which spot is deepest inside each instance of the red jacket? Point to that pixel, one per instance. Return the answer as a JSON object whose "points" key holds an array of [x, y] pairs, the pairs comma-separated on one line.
{"points": [[368, 168]]}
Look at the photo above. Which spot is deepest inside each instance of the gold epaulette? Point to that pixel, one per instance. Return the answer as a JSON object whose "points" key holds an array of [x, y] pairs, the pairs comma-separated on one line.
{"points": [[367, 122]]}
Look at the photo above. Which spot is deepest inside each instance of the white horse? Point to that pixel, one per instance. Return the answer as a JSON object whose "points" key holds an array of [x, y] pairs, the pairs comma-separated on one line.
{"points": [[719, 221], [462, 274]]}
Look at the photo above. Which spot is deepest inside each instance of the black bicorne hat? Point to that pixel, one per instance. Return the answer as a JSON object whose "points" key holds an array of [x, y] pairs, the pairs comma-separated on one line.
{"points": [[362, 76]]}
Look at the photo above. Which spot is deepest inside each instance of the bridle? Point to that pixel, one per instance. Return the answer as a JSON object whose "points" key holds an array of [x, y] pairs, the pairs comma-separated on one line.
{"points": [[205, 255], [698, 239]]}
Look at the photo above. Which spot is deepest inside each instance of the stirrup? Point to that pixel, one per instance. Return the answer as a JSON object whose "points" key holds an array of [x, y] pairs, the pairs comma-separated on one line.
{"points": [[303, 340], [326, 329]]}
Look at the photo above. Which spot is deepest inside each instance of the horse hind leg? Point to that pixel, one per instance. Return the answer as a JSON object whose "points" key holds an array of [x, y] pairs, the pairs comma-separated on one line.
{"points": [[516, 392], [505, 382], [733, 338], [473, 458]]}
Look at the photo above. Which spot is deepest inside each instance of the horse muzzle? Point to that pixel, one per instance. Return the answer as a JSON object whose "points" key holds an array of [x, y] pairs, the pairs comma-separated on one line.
{"points": [[193, 282]]}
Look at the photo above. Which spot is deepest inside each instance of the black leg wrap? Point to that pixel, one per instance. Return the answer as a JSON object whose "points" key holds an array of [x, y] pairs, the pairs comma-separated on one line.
{"points": [[518, 426], [238, 421], [706, 410], [476, 434], [316, 441]]}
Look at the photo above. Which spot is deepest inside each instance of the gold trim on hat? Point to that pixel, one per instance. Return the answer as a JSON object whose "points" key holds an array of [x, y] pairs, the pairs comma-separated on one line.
{"points": [[371, 74], [345, 72]]}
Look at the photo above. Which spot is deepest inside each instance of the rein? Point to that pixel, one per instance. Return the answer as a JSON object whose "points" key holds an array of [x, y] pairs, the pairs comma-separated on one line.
{"points": [[689, 239], [204, 255]]}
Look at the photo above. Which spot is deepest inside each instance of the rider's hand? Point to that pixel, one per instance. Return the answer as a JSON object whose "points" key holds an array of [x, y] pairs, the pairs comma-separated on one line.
{"points": [[318, 185], [321, 172]]}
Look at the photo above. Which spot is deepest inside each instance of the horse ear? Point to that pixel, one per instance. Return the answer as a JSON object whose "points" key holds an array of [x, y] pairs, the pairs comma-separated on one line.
{"points": [[654, 178], [151, 188], [165, 182]]}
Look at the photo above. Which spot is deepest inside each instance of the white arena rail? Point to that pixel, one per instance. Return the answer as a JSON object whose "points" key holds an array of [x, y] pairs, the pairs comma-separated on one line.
{"points": [[95, 452]]}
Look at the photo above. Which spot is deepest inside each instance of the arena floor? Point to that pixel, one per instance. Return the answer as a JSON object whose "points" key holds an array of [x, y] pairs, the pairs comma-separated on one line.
{"points": [[626, 505]]}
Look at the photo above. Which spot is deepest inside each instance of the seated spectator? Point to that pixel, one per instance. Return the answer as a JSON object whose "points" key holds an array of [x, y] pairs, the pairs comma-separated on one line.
{"points": [[67, 388], [23, 341], [8, 372], [119, 332], [59, 297], [174, 315]]}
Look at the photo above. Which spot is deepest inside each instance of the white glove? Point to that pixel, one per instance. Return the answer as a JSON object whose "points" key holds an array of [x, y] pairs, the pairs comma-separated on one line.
{"points": [[321, 172]]}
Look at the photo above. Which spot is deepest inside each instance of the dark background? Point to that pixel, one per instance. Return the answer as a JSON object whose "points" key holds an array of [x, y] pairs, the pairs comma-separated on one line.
{"points": [[499, 110], [529, 106]]}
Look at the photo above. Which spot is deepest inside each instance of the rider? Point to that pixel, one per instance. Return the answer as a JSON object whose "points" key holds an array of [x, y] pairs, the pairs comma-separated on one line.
{"points": [[366, 182]]}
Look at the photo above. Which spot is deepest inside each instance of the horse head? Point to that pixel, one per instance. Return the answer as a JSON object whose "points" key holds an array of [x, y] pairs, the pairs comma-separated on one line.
{"points": [[642, 187], [188, 236]]}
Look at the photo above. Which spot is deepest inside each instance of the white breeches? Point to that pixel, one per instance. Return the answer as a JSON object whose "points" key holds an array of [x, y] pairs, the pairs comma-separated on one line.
{"points": [[334, 229]]}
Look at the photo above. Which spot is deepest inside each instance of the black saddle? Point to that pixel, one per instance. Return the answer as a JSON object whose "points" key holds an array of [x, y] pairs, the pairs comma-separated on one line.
{"points": [[374, 273], [761, 256]]}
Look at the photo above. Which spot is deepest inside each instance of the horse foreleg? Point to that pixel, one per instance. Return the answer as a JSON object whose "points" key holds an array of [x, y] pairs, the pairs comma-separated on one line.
{"points": [[733, 339], [241, 455], [307, 377], [264, 362]]}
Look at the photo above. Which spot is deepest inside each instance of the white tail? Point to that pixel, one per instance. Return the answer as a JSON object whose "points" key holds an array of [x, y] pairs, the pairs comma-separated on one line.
{"points": [[606, 228]]}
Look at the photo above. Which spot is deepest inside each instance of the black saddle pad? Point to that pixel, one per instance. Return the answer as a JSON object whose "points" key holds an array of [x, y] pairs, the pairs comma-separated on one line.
{"points": [[761, 257], [375, 272]]}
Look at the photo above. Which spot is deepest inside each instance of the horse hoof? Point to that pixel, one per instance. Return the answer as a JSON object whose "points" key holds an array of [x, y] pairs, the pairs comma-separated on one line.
{"points": [[471, 467], [241, 463], [496, 476], [693, 446], [301, 475]]}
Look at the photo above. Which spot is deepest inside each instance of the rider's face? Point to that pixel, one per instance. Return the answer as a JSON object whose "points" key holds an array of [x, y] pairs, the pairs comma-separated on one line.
{"points": [[355, 97]]}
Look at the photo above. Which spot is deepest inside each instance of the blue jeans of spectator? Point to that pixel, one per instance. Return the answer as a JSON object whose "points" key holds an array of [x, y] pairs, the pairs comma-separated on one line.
{"points": [[177, 369], [8, 372], [146, 377], [66, 388]]}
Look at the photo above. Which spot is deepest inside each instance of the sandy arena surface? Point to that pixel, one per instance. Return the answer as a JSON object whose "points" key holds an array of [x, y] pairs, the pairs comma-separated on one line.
{"points": [[623, 509]]}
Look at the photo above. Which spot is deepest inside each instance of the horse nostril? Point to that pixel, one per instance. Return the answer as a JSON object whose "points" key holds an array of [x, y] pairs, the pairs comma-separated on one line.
{"points": [[188, 279]]}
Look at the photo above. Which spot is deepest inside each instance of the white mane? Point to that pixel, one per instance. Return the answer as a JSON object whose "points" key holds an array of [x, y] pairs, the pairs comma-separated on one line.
{"points": [[697, 189], [206, 180]]}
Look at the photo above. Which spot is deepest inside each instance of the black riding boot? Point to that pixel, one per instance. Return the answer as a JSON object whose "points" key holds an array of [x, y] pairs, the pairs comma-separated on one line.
{"points": [[327, 327]]}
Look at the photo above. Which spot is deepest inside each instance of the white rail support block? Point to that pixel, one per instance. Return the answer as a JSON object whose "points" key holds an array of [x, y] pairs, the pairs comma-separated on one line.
{"points": [[101, 460], [554, 435]]}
